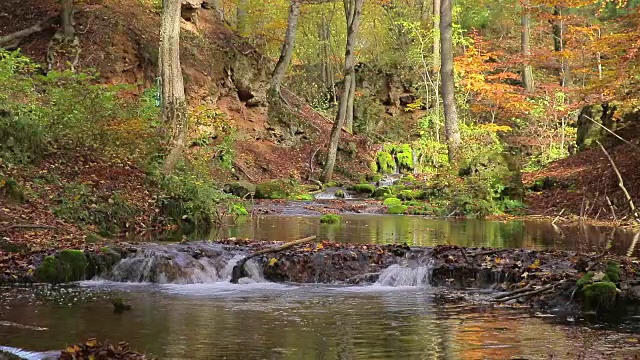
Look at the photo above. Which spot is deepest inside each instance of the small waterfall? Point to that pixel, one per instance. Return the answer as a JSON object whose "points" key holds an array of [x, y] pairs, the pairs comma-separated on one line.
{"points": [[29, 355], [197, 263], [330, 194], [406, 275], [389, 179]]}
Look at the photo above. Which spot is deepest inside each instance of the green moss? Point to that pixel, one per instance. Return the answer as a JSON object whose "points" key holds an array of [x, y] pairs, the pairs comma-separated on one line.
{"points": [[373, 166], [330, 219], [303, 197], [386, 163], [363, 188], [404, 154], [613, 271], [412, 195], [600, 296], [276, 189], [585, 279], [340, 194], [48, 270], [374, 177], [392, 201], [382, 192], [66, 266], [397, 209]]}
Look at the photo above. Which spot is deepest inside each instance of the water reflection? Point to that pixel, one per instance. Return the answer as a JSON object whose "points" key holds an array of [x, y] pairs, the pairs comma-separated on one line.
{"points": [[309, 322], [429, 232]]}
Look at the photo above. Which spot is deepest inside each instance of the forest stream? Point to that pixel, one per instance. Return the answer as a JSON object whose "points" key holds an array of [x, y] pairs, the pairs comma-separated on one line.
{"points": [[400, 316]]}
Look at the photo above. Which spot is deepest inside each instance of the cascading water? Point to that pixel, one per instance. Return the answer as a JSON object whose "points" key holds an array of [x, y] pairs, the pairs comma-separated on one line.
{"points": [[330, 194], [389, 179], [29, 355], [199, 263], [409, 274]]}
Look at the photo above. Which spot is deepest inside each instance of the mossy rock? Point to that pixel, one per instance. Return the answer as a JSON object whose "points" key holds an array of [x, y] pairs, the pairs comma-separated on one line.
{"points": [[613, 271], [363, 188], [600, 296], [386, 163], [340, 194], [10, 188], [412, 195], [404, 154], [374, 177], [330, 219], [276, 189], [302, 197], [66, 266], [373, 166], [240, 188], [382, 192], [397, 209], [392, 201]]}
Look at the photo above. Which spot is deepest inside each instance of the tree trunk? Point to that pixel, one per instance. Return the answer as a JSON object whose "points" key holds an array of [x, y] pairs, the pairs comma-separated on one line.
{"points": [[350, 100], [436, 36], [287, 47], [66, 20], [451, 131], [559, 46], [527, 71], [353, 10], [242, 16], [174, 108]]}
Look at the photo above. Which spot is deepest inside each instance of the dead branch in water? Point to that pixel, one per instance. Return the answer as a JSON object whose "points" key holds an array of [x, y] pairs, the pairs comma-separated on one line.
{"points": [[632, 206], [27, 226], [543, 289], [238, 269]]}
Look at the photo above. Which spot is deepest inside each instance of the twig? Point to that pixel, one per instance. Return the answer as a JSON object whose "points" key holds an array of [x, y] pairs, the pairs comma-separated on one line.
{"points": [[557, 217], [464, 255], [636, 237], [621, 182], [238, 270], [543, 289], [514, 292], [27, 226], [43, 25]]}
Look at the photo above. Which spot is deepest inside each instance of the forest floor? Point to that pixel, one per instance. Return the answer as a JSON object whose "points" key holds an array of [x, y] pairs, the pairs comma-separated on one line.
{"points": [[582, 184]]}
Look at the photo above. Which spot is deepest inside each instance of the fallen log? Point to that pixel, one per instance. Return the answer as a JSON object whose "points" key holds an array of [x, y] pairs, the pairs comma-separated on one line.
{"points": [[18, 35], [238, 270]]}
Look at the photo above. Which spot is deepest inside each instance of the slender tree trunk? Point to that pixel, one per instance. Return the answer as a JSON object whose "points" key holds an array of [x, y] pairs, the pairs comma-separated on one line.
{"points": [[353, 10], [451, 131], [350, 100], [66, 20], [436, 36], [287, 47], [559, 46], [242, 16], [527, 71], [174, 108]]}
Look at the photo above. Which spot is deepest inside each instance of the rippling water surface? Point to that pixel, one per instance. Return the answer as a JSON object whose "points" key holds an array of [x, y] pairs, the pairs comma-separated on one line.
{"points": [[279, 321]]}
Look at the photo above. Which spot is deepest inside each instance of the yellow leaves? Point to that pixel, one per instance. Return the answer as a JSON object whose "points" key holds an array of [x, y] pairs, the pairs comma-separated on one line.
{"points": [[535, 265], [91, 342], [495, 127], [3, 182], [273, 261], [72, 349]]}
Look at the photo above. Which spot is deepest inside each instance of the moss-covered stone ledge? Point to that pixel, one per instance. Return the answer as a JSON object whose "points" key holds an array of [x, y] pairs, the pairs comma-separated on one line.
{"points": [[66, 265]]}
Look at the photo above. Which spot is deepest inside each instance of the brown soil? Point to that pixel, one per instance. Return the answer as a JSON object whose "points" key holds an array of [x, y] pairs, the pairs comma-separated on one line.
{"points": [[583, 183]]}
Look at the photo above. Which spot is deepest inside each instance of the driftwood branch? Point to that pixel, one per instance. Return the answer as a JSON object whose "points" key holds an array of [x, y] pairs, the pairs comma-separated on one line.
{"points": [[26, 226], [621, 183], [18, 35], [238, 269], [514, 292], [540, 290]]}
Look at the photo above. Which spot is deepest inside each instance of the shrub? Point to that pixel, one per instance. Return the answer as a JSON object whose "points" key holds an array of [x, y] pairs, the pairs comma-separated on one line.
{"points": [[80, 204]]}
